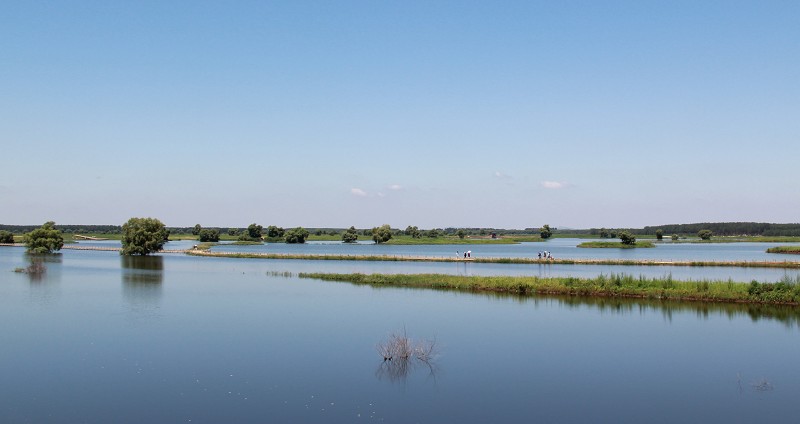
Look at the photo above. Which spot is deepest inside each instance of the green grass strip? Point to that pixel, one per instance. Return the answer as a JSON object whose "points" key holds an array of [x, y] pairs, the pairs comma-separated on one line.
{"points": [[613, 285]]}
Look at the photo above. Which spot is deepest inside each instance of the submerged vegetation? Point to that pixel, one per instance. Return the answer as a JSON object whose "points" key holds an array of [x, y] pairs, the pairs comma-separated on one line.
{"points": [[786, 291]]}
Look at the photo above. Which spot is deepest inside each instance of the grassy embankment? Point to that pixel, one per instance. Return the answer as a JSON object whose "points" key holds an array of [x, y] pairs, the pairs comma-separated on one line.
{"points": [[795, 250], [786, 291], [615, 245]]}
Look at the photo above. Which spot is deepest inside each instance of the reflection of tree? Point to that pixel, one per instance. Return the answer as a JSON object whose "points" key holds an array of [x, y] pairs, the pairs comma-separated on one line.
{"points": [[36, 269], [142, 269], [142, 277], [401, 356]]}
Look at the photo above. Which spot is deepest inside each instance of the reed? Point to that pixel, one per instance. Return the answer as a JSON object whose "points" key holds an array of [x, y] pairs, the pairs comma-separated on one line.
{"points": [[612, 285]]}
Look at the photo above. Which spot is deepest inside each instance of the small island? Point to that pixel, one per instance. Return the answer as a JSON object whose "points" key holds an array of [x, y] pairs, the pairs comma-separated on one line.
{"points": [[791, 250], [615, 244]]}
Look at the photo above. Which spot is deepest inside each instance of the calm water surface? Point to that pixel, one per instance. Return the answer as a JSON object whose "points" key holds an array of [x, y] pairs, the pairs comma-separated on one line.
{"points": [[99, 338]]}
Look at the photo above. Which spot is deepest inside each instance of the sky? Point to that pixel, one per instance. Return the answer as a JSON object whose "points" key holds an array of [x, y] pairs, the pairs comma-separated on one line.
{"points": [[513, 114]]}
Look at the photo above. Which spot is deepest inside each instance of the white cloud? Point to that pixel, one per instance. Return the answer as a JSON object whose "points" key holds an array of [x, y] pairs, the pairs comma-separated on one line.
{"points": [[381, 194], [358, 192], [553, 185], [499, 174], [395, 187]]}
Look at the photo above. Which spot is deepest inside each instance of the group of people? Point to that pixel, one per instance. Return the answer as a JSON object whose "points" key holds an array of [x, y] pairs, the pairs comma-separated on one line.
{"points": [[545, 254], [467, 254]]}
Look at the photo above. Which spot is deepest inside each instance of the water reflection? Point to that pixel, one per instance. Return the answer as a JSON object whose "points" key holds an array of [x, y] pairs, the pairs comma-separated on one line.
{"points": [[37, 269], [788, 315], [142, 277]]}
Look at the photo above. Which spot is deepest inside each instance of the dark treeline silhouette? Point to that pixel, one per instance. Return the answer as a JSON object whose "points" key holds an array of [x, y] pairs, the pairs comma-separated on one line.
{"points": [[730, 229]]}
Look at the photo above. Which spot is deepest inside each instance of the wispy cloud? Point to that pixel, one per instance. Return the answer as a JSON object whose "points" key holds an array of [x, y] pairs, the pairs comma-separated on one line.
{"points": [[554, 185], [381, 194], [358, 192], [395, 187], [498, 174]]}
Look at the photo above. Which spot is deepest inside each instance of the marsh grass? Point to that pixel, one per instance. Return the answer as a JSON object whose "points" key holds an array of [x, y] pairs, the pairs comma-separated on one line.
{"points": [[612, 285]]}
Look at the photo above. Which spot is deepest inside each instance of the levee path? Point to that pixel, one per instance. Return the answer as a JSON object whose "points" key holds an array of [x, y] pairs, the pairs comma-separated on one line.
{"points": [[414, 258]]}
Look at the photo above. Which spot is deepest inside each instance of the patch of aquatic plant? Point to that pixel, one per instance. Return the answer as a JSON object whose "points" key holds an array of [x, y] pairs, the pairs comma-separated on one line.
{"points": [[284, 274], [616, 245], [401, 355], [795, 250], [612, 285]]}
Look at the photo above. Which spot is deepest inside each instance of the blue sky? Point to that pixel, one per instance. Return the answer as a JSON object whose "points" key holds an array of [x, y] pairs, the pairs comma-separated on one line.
{"points": [[432, 113]]}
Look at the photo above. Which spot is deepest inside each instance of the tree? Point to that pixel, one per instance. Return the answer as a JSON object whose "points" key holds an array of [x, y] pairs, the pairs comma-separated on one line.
{"points": [[208, 235], [460, 233], [275, 232], [674, 237], [545, 232], [413, 232], [142, 236], [382, 234], [232, 231], [44, 239], [296, 235], [659, 234], [627, 238], [6, 237], [196, 229], [350, 235], [704, 234], [254, 231], [604, 233]]}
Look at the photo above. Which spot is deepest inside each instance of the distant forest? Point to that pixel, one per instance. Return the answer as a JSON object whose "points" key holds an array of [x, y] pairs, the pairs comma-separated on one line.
{"points": [[718, 228]]}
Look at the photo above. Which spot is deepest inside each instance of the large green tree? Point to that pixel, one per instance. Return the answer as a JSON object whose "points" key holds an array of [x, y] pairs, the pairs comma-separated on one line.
{"points": [[296, 235], [382, 234], [254, 231], [275, 232], [143, 236], [45, 239], [6, 237], [208, 235], [350, 235], [545, 232]]}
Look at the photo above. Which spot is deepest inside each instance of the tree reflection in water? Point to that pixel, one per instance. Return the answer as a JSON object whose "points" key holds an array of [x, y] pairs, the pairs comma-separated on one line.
{"points": [[142, 277]]}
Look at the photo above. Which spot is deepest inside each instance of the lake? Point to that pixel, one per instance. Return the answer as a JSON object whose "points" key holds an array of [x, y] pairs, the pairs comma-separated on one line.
{"points": [[101, 338]]}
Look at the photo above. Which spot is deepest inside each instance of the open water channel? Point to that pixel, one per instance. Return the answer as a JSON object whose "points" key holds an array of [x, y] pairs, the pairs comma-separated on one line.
{"points": [[101, 338]]}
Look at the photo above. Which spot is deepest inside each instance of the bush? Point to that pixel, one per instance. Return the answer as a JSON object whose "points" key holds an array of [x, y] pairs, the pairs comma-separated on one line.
{"points": [[296, 235], [704, 234], [627, 238]]}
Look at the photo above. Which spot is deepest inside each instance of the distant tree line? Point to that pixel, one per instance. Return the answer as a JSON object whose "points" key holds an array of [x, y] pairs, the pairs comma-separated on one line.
{"points": [[274, 233]]}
